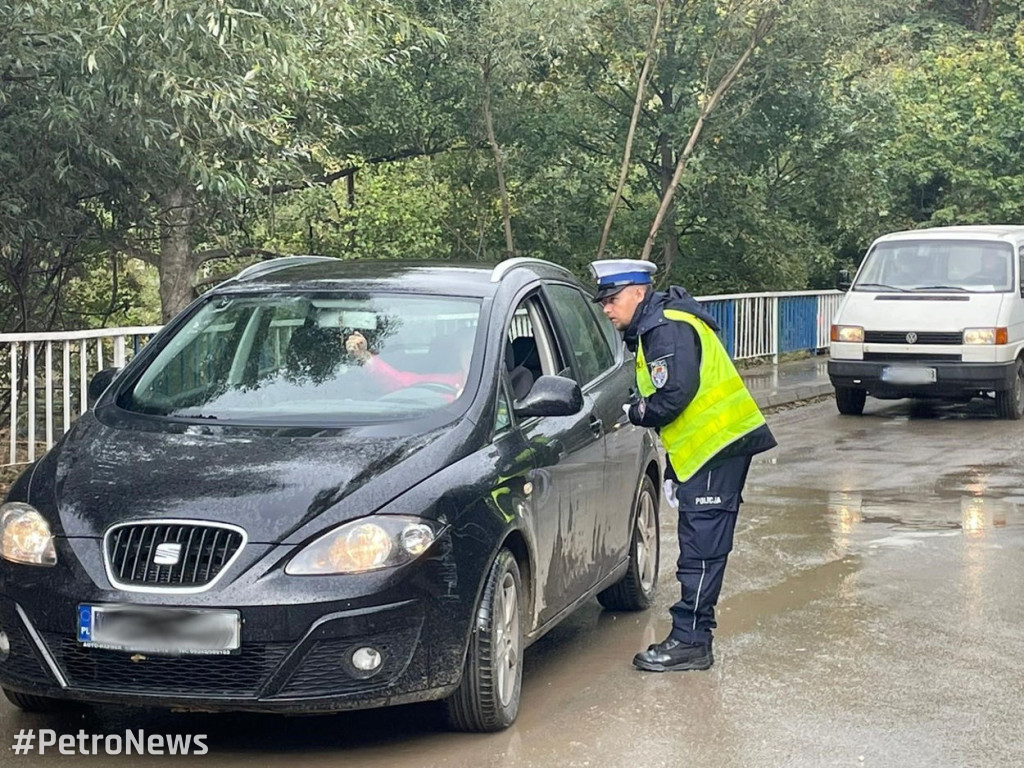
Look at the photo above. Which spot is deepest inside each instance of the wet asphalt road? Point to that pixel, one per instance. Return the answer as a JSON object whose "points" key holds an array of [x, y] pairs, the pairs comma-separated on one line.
{"points": [[873, 614]]}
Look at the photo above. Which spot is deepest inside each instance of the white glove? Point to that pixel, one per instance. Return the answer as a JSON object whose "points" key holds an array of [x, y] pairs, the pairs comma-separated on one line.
{"points": [[670, 493], [625, 409]]}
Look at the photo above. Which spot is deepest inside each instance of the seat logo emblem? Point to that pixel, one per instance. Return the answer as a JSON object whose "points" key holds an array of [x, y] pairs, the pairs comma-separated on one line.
{"points": [[167, 554], [911, 338]]}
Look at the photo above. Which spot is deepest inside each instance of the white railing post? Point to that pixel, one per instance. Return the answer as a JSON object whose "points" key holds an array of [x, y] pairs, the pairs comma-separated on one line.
{"points": [[775, 329], [30, 383], [119, 351], [83, 376], [66, 409], [14, 402], [49, 395]]}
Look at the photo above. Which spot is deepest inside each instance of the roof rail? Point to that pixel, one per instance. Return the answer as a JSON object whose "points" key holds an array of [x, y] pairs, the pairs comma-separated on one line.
{"points": [[272, 265], [521, 261]]}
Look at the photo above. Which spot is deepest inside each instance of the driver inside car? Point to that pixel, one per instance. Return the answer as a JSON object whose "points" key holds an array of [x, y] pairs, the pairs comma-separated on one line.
{"points": [[390, 378]]}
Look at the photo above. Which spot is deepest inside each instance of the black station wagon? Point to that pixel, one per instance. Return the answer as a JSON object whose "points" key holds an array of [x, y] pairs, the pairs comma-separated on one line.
{"points": [[330, 485]]}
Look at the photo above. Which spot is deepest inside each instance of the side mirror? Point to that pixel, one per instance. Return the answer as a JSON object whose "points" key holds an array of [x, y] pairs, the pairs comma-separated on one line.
{"points": [[550, 396], [844, 280], [99, 383]]}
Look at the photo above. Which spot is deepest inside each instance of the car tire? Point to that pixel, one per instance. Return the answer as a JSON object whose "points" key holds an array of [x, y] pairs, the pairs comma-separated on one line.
{"points": [[635, 591], [29, 702], [487, 699], [850, 401], [1010, 403]]}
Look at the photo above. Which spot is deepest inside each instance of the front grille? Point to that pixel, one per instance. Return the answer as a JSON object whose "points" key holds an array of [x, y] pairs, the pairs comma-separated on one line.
{"points": [[922, 337], [102, 670], [199, 551], [895, 357]]}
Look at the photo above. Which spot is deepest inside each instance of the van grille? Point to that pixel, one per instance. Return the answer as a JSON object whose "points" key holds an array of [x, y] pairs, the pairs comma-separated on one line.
{"points": [[920, 337]]}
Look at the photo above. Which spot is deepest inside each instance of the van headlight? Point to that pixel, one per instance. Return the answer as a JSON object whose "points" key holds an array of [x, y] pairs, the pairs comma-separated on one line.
{"points": [[25, 535], [851, 333], [985, 336], [369, 544]]}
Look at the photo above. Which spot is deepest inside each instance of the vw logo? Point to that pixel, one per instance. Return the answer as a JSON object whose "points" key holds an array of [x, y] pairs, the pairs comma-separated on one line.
{"points": [[167, 554], [911, 338]]}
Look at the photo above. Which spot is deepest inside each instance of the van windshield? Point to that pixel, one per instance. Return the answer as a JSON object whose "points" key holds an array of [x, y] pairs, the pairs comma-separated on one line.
{"points": [[960, 266]]}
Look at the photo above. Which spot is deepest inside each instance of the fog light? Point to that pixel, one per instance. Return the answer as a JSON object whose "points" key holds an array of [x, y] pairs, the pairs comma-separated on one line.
{"points": [[5, 646], [366, 659]]}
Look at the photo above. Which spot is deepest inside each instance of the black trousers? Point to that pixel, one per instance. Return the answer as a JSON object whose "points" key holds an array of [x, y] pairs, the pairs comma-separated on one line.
{"points": [[709, 503]]}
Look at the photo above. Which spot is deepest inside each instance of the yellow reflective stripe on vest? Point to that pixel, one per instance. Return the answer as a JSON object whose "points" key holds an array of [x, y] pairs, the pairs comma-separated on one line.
{"points": [[720, 413]]}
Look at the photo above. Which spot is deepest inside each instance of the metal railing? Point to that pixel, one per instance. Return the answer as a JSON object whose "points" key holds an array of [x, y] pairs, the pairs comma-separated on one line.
{"points": [[44, 377], [44, 380], [771, 324]]}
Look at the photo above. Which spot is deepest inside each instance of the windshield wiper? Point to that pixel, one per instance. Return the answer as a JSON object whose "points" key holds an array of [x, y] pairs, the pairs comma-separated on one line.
{"points": [[882, 285], [195, 416], [942, 288]]}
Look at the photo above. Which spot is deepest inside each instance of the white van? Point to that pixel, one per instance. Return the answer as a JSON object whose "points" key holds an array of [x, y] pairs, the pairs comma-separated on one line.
{"points": [[934, 313]]}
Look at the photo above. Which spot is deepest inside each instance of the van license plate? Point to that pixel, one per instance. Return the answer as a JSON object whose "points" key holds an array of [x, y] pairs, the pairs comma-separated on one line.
{"points": [[908, 374], [171, 631]]}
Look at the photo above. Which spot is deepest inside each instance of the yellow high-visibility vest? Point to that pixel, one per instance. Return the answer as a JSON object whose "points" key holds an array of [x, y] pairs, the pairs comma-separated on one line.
{"points": [[720, 413]]}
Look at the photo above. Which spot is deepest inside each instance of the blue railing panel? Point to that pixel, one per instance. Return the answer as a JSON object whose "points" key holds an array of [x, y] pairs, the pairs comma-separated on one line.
{"points": [[798, 323], [724, 313]]}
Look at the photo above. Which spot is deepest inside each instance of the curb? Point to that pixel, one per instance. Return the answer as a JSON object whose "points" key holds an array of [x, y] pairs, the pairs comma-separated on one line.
{"points": [[806, 392]]}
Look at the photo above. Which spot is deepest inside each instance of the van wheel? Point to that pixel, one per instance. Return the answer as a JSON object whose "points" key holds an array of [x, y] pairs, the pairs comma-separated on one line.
{"points": [[487, 699], [850, 401], [1010, 403]]}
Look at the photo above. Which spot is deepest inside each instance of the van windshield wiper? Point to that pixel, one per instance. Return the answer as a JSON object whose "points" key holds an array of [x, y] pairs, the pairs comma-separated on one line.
{"points": [[882, 285], [959, 288]]}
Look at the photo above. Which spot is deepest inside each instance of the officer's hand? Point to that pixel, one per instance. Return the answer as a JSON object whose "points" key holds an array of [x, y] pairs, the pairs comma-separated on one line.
{"points": [[355, 345]]}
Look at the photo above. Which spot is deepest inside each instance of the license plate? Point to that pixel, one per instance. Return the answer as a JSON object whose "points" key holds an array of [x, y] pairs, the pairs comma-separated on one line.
{"points": [[908, 374], [170, 631]]}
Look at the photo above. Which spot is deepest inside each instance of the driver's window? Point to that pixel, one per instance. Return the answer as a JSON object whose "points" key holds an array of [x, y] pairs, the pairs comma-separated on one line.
{"points": [[530, 351]]}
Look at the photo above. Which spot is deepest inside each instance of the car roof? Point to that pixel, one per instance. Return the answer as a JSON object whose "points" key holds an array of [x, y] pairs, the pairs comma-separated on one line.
{"points": [[1008, 232], [324, 273]]}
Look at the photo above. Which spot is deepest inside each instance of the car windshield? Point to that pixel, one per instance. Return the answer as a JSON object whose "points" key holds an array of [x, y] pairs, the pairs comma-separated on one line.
{"points": [[959, 266], [289, 359]]}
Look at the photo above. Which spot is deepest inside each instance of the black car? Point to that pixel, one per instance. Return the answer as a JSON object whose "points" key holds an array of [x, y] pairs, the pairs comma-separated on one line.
{"points": [[330, 485]]}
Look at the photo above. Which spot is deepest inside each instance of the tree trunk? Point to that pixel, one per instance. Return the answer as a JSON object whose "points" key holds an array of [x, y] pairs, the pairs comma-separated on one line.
{"points": [[671, 244], [711, 101], [627, 154], [176, 265], [499, 164]]}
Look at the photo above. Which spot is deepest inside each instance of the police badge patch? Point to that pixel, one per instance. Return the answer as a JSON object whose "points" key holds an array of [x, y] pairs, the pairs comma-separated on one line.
{"points": [[659, 372]]}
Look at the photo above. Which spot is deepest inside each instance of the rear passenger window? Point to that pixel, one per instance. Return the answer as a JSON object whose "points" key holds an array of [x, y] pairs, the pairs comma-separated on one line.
{"points": [[588, 342]]}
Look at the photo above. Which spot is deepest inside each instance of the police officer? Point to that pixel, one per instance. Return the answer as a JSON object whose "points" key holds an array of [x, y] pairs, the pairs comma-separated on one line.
{"points": [[689, 390]]}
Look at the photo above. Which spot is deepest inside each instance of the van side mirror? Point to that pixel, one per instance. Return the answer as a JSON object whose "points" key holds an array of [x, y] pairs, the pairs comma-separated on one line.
{"points": [[844, 280], [99, 383]]}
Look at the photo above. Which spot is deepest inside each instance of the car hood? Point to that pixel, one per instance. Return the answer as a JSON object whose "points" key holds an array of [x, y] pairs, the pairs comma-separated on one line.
{"points": [[271, 485]]}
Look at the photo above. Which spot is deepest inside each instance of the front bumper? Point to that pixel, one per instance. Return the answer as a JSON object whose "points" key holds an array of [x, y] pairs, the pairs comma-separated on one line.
{"points": [[952, 379], [295, 656]]}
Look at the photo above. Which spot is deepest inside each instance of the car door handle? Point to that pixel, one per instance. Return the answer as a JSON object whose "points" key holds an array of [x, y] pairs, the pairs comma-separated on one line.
{"points": [[596, 426]]}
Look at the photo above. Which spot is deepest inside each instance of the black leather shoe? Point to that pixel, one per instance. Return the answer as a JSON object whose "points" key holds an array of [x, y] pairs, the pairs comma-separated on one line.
{"points": [[672, 655]]}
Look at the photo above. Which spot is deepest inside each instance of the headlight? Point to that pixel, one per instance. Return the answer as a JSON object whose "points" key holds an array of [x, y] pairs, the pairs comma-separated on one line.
{"points": [[383, 541], [852, 333], [985, 336], [25, 535]]}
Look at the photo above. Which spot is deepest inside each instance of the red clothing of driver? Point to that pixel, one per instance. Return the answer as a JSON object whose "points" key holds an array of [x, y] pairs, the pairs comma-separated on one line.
{"points": [[391, 378]]}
